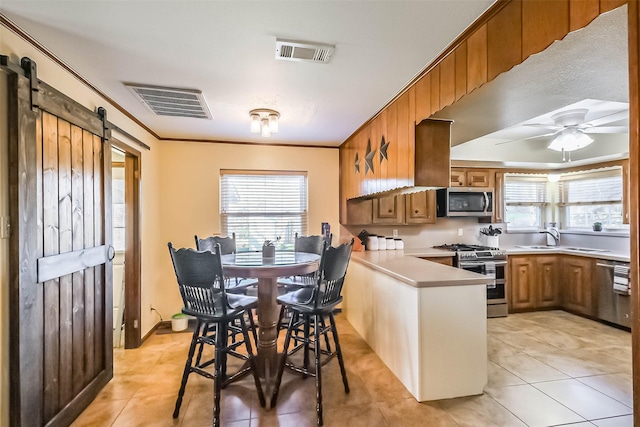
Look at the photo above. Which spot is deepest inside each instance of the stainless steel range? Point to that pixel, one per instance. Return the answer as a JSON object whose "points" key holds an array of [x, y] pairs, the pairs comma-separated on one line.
{"points": [[491, 262]]}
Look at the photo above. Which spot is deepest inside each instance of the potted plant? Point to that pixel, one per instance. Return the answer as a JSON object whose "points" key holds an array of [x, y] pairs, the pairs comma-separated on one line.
{"points": [[179, 322], [268, 249], [597, 226]]}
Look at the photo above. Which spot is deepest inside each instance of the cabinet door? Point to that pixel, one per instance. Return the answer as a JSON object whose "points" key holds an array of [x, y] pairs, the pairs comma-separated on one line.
{"points": [[478, 178], [522, 284], [421, 207], [547, 281], [576, 278], [388, 210], [458, 178], [359, 211]]}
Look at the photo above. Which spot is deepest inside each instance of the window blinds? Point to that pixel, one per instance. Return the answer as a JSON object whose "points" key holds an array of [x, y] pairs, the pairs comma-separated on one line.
{"points": [[591, 188], [259, 206], [525, 191]]}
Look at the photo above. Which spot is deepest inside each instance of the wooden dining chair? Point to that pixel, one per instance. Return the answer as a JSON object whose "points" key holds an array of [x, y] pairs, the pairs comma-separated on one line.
{"points": [[219, 317], [235, 285], [311, 305]]}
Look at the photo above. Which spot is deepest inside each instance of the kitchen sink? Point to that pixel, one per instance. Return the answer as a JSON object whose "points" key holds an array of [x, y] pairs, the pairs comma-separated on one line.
{"points": [[537, 247]]}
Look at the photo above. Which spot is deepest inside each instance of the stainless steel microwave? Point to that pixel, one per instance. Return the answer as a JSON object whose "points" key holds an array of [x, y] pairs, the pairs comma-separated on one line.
{"points": [[468, 201]]}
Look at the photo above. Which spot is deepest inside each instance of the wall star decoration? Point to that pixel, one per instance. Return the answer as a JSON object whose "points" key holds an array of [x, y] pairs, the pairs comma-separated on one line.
{"points": [[383, 149], [368, 159], [357, 164]]}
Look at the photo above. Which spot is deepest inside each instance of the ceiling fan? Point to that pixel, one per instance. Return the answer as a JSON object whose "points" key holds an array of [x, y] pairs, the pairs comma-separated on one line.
{"points": [[569, 129]]}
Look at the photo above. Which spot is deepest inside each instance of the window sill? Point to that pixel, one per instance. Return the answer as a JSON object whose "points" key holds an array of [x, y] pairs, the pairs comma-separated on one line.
{"points": [[605, 232]]}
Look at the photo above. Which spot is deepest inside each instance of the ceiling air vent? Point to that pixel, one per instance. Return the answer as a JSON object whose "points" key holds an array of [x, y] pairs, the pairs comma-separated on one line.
{"points": [[168, 101], [288, 50]]}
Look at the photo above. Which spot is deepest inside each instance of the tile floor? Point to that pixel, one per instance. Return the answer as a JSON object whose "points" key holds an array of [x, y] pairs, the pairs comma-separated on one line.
{"points": [[545, 369]]}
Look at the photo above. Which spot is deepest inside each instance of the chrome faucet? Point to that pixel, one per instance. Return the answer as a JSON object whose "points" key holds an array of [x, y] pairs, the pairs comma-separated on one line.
{"points": [[553, 232]]}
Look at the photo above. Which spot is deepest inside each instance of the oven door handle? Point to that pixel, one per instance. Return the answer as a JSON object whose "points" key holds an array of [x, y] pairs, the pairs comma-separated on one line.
{"points": [[464, 264]]}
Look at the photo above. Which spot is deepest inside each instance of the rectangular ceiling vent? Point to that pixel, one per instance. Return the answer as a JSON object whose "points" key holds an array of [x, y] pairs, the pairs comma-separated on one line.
{"points": [[288, 50], [168, 101]]}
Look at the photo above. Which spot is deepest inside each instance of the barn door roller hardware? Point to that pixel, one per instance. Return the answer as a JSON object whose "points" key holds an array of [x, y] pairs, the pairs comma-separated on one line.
{"points": [[31, 72]]}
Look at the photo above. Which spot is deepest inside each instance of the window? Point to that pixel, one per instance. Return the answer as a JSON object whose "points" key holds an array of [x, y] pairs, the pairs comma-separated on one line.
{"points": [[260, 205], [526, 198], [593, 196], [118, 208]]}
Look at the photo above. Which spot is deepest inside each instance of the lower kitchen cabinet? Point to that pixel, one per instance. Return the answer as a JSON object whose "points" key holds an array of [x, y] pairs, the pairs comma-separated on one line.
{"points": [[533, 282], [577, 292]]}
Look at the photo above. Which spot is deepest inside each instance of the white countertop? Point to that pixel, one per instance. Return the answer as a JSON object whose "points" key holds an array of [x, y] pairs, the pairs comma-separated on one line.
{"points": [[608, 255], [404, 265]]}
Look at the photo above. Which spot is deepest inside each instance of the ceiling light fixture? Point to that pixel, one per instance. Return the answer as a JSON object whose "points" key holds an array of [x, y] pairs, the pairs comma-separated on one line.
{"points": [[569, 140], [264, 121]]}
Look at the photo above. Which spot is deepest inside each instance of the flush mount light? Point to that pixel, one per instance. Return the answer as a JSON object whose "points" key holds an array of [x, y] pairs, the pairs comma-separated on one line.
{"points": [[264, 121]]}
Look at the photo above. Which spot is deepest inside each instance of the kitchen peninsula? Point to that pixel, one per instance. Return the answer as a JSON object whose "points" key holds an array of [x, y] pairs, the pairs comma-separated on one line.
{"points": [[425, 320]]}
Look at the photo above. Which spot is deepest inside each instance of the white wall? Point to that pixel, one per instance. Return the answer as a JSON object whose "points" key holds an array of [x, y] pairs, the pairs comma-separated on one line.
{"points": [[190, 197]]}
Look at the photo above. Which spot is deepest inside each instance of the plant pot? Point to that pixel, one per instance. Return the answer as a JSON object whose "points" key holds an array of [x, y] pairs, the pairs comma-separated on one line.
{"points": [[597, 227], [268, 252], [179, 322]]}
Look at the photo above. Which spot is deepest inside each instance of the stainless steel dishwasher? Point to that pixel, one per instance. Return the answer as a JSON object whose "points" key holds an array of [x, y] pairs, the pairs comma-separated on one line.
{"points": [[614, 303]]}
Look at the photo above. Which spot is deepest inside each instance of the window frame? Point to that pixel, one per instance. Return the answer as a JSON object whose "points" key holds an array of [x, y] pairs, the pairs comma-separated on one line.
{"points": [[543, 205], [286, 239]]}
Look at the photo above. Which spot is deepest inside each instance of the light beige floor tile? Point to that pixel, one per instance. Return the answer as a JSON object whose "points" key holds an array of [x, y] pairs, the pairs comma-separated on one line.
{"points": [[500, 377], [355, 416], [410, 413], [306, 418], [533, 407], [479, 411], [625, 421], [529, 369], [574, 363], [100, 413], [526, 342], [149, 411], [497, 348], [617, 386], [582, 399]]}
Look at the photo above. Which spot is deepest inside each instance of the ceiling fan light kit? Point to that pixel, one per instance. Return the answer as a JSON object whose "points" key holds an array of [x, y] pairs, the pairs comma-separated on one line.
{"points": [[570, 140], [264, 121]]}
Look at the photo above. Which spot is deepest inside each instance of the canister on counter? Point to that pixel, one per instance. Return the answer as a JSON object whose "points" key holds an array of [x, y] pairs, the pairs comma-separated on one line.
{"points": [[372, 242], [382, 243], [391, 243], [399, 243]]}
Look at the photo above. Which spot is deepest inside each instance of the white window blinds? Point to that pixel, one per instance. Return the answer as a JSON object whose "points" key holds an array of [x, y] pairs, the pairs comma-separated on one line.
{"points": [[259, 206], [525, 190], [593, 196], [592, 188], [525, 198]]}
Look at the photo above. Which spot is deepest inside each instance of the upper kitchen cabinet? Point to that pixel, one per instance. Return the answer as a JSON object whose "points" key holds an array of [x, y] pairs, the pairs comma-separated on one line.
{"points": [[420, 207], [461, 177]]}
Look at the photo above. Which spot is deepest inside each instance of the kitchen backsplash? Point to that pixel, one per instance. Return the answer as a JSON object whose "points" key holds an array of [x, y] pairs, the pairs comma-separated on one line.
{"points": [[446, 231]]}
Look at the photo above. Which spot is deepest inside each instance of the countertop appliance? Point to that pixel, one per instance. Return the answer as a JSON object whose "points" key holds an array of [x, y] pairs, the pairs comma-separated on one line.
{"points": [[490, 262], [464, 202], [614, 303]]}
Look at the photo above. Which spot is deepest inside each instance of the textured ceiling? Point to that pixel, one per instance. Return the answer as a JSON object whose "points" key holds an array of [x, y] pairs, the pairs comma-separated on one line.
{"points": [[226, 49], [587, 69]]}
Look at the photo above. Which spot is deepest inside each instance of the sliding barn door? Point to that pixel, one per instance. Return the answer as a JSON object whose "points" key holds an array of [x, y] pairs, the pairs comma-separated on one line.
{"points": [[60, 269]]}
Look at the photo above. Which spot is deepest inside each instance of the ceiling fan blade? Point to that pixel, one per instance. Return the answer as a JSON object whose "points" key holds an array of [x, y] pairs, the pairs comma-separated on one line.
{"points": [[609, 118], [543, 125], [528, 138], [607, 129]]}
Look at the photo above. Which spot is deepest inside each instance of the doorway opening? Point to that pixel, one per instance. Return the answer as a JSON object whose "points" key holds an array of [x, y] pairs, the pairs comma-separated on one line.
{"points": [[126, 241]]}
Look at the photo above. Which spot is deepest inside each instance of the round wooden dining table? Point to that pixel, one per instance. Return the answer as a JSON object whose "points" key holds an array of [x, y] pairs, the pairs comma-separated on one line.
{"points": [[267, 271]]}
